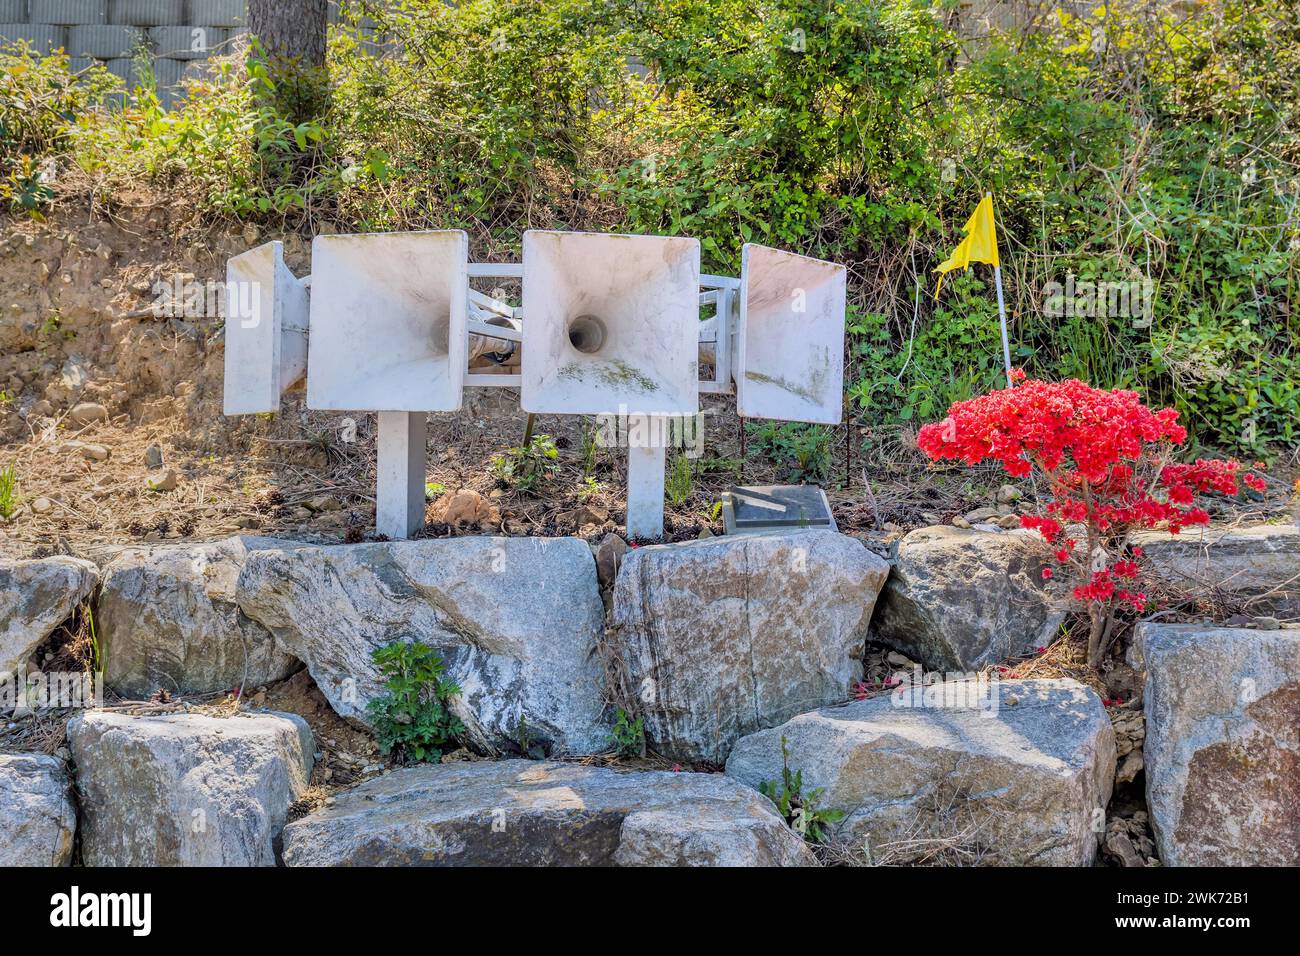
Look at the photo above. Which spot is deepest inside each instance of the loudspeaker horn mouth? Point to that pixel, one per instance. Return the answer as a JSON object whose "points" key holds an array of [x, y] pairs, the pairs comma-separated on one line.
{"points": [[587, 334]]}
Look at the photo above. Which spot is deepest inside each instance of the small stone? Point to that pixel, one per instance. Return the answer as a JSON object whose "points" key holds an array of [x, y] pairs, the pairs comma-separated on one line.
{"points": [[896, 659], [94, 452], [960, 522], [466, 508], [1267, 623], [609, 555], [324, 503], [41, 409], [1008, 494], [153, 457], [704, 533], [981, 514], [41, 505], [1009, 522], [164, 482], [247, 521], [1121, 847], [87, 413], [1130, 767]]}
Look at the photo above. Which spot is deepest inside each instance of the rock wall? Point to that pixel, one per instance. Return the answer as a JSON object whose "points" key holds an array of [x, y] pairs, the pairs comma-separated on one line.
{"points": [[741, 650]]}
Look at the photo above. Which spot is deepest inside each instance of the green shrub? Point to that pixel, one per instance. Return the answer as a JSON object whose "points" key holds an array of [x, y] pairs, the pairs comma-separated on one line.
{"points": [[678, 481], [527, 466], [628, 735], [414, 718], [40, 98], [804, 450]]}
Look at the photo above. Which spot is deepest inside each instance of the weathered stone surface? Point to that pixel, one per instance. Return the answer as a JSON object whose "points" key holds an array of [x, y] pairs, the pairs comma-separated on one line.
{"points": [[37, 816], [1253, 560], [958, 600], [516, 619], [525, 813], [1021, 783], [35, 598], [187, 789], [1222, 748], [169, 620], [724, 636]]}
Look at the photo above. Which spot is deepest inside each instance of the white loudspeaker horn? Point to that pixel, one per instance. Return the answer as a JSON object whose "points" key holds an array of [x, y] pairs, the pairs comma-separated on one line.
{"points": [[610, 320], [790, 341], [266, 330], [388, 321]]}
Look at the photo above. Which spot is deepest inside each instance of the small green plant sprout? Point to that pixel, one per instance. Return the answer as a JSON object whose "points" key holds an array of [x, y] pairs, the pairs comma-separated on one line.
{"points": [[524, 743], [414, 718], [9, 499], [527, 466], [800, 809], [589, 488], [590, 446], [628, 735], [678, 481], [96, 656], [432, 490]]}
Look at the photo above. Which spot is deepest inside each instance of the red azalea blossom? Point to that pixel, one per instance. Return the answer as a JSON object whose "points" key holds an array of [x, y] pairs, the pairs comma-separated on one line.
{"points": [[1107, 458]]}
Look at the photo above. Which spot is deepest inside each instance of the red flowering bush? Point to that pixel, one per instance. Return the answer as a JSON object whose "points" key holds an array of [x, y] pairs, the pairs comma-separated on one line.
{"points": [[1108, 463]]}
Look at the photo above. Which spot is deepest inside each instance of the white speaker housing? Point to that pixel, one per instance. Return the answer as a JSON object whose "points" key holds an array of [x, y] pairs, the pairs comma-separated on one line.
{"points": [[790, 338], [388, 316], [266, 331], [610, 321]]}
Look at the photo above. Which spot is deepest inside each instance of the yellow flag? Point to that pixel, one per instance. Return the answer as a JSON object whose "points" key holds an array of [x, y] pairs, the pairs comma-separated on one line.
{"points": [[980, 244]]}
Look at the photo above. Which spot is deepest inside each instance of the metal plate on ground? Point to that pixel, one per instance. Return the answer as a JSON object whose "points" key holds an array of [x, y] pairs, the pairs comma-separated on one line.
{"points": [[776, 507]]}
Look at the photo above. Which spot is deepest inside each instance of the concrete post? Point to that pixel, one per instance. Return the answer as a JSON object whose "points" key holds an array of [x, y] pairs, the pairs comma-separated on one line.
{"points": [[399, 474], [645, 488]]}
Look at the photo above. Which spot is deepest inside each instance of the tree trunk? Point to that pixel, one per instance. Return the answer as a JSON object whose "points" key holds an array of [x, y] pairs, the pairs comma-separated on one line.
{"points": [[291, 34], [292, 30]]}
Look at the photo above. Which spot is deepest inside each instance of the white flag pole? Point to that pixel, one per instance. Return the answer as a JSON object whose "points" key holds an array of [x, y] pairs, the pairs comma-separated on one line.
{"points": [[1002, 311]]}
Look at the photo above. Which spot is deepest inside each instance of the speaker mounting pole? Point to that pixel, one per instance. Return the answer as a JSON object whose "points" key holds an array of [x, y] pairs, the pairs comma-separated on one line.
{"points": [[645, 488], [399, 474]]}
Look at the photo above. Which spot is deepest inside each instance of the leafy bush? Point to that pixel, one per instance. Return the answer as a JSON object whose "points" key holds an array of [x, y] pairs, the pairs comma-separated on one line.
{"points": [[679, 480], [1108, 462], [628, 735], [805, 450], [413, 718], [526, 466], [40, 97]]}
